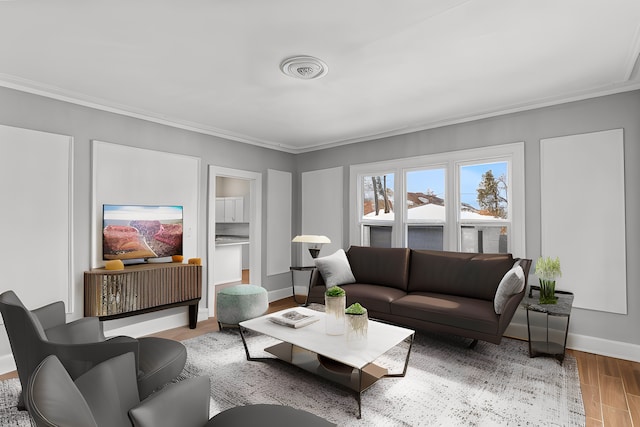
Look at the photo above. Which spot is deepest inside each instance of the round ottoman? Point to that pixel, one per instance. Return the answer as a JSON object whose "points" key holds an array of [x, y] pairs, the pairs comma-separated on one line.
{"points": [[241, 302], [262, 415]]}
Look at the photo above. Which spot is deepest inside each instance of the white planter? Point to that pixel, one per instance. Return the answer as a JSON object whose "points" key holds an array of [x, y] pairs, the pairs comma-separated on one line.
{"points": [[357, 326], [334, 314]]}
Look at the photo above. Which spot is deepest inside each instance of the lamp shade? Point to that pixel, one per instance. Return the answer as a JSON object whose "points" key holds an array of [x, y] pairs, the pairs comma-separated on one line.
{"points": [[310, 238]]}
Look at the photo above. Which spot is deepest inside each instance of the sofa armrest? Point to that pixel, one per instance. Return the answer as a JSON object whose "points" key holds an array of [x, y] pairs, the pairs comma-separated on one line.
{"points": [[51, 315], [180, 404], [509, 310], [513, 302]]}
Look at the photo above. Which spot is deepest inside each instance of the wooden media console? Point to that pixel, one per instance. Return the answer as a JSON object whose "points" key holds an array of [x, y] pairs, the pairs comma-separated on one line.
{"points": [[113, 294]]}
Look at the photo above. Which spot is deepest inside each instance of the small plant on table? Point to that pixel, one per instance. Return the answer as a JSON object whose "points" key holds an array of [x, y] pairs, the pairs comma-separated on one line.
{"points": [[547, 270]]}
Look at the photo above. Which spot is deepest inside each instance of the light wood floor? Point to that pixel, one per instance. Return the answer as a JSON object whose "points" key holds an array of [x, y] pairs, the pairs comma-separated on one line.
{"points": [[610, 387]]}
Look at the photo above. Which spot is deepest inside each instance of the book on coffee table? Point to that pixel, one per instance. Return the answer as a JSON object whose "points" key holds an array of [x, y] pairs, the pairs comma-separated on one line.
{"points": [[293, 319]]}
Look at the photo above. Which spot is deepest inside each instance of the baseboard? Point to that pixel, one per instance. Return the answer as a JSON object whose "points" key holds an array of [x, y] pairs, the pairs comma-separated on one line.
{"points": [[587, 344], [147, 324], [279, 294], [617, 349]]}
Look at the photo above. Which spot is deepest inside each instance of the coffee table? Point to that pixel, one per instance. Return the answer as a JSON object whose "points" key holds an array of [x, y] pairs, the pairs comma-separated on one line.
{"points": [[330, 356]]}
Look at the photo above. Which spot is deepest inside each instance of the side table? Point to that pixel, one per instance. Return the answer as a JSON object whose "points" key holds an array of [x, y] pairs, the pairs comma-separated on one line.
{"points": [[544, 346], [293, 285]]}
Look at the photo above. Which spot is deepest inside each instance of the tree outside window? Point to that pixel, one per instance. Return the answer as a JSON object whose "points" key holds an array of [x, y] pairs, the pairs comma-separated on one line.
{"points": [[484, 208], [483, 191], [378, 200]]}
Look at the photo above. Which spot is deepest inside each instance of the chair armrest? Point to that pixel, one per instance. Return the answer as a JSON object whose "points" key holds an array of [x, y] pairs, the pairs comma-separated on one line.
{"points": [[184, 404], [51, 315], [85, 330], [79, 358]]}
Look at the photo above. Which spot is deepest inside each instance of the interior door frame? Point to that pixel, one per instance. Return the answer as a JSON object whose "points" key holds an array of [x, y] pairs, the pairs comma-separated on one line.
{"points": [[255, 227]]}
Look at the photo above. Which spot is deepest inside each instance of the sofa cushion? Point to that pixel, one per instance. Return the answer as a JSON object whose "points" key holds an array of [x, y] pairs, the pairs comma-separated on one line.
{"points": [[485, 271], [436, 271], [511, 284], [457, 273], [335, 269], [372, 297], [380, 266], [461, 312]]}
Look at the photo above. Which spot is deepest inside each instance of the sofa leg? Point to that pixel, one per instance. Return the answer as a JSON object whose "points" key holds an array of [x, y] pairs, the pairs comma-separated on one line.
{"points": [[473, 344]]}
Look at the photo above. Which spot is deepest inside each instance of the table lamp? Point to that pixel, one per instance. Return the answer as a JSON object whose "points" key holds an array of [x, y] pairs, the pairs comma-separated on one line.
{"points": [[315, 242]]}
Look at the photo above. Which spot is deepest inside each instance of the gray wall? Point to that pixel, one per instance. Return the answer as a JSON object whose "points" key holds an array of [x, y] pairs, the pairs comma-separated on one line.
{"points": [[24, 110], [616, 111], [609, 112]]}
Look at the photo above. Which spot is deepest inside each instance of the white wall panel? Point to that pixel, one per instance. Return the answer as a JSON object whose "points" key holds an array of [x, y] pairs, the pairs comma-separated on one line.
{"points": [[279, 193], [583, 216], [322, 209], [128, 175], [36, 215]]}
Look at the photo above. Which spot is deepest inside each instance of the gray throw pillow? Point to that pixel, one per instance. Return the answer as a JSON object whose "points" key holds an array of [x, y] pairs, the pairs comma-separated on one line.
{"points": [[512, 283], [335, 269]]}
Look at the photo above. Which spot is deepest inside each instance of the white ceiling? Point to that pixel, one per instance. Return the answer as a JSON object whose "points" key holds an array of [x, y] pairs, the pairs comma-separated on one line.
{"points": [[394, 66]]}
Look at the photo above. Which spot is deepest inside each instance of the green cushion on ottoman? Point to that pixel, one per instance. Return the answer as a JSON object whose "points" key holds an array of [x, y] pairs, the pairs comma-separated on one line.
{"points": [[236, 304]]}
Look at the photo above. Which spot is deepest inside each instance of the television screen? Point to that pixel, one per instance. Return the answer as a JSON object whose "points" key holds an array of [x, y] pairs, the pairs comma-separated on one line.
{"points": [[141, 232]]}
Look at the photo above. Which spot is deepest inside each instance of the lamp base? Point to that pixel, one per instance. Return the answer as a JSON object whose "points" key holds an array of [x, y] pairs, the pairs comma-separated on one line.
{"points": [[314, 252]]}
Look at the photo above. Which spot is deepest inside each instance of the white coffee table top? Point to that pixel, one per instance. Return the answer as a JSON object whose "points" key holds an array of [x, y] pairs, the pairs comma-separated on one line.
{"points": [[381, 338]]}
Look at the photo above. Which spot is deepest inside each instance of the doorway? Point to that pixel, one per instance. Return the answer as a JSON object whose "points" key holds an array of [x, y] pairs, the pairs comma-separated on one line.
{"points": [[219, 178]]}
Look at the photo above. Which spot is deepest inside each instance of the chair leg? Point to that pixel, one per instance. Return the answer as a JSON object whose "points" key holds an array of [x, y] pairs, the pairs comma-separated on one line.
{"points": [[21, 405]]}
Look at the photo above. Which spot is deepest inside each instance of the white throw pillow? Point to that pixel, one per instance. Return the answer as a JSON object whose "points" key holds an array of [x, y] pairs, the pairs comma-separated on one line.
{"points": [[335, 269], [512, 283]]}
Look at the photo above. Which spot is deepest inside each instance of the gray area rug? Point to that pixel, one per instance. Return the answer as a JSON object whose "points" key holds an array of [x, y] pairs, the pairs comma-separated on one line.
{"points": [[446, 384]]}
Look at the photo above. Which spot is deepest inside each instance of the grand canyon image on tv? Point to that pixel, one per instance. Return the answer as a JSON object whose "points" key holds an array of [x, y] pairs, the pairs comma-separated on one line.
{"points": [[141, 232]]}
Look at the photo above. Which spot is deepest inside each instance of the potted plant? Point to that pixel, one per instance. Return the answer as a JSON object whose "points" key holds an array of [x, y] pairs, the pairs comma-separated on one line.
{"points": [[547, 270], [357, 324], [335, 301]]}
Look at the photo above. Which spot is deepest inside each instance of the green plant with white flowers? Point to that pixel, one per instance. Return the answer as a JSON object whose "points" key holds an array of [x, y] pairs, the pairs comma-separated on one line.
{"points": [[547, 270]]}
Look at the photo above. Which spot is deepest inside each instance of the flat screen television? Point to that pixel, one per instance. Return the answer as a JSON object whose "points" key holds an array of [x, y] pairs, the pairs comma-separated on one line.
{"points": [[141, 232]]}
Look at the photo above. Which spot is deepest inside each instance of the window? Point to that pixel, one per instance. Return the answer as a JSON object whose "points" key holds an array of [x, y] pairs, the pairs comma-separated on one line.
{"points": [[483, 207], [377, 198], [377, 210], [426, 208], [467, 201]]}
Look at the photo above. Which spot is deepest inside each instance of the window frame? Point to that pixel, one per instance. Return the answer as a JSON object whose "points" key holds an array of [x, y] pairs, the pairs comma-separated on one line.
{"points": [[512, 152]]}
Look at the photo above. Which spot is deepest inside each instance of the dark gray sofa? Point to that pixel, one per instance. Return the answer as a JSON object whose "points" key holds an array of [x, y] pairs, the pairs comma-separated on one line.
{"points": [[445, 292]]}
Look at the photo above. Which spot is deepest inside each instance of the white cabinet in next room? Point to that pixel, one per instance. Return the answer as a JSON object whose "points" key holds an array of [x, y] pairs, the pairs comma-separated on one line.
{"points": [[229, 209]]}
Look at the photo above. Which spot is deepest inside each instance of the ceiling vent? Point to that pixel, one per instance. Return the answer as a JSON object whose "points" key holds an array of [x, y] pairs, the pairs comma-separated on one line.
{"points": [[304, 67]]}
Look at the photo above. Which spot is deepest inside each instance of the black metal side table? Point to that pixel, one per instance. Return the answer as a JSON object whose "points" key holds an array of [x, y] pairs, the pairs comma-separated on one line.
{"points": [[541, 344], [293, 285]]}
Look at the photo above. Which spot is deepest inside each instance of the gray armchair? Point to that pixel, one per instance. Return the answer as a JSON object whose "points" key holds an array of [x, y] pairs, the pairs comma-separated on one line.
{"points": [[106, 395], [81, 344]]}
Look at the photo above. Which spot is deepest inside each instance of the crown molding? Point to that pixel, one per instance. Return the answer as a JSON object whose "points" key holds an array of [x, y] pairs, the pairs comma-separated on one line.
{"points": [[500, 111], [36, 88], [23, 85]]}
